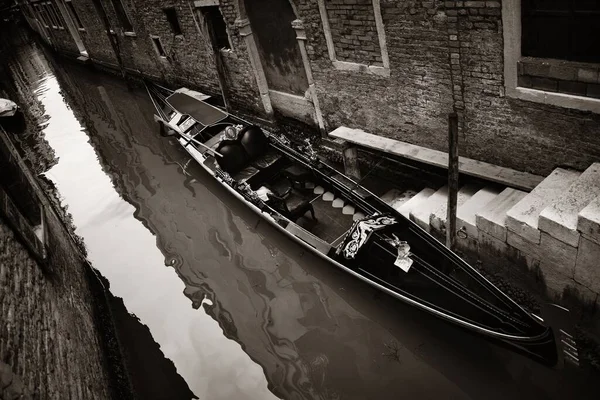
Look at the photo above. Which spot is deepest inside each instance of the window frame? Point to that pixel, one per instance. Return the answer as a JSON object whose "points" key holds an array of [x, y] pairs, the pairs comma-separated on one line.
{"points": [[511, 26], [74, 16], [570, 17], [47, 7], [40, 10], [206, 11], [126, 32], [156, 39], [174, 24]]}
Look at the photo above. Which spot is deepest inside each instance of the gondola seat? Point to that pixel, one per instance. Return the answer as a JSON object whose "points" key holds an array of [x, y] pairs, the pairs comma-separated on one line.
{"points": [[245, 174], [234, 157], [254, 141], [267, 159], [293, 206], [256, 145]]}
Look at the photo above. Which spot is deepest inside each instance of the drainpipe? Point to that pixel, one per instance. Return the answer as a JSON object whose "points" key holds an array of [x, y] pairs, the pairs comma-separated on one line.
{"points": [[114, 41]]}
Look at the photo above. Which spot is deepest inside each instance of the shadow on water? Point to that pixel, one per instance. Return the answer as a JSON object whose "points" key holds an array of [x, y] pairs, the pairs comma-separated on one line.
{"points": [[297, 325]]}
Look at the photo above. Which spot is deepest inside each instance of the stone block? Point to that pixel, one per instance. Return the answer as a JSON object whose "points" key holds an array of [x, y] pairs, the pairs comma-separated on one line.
{"points": [[421, 212], [593, 90], [523, 217], [406, 208], [587, 267], [547, 84], [558, 286], [562, 72], [570, 87], [588, 221], [535, 68], [559, 219], [396, 198], [549, 251], [466, 213], [439, 213], [491, 245], [559, 253], [587, 75], [491, 219], [524, 81], [475, 4]]}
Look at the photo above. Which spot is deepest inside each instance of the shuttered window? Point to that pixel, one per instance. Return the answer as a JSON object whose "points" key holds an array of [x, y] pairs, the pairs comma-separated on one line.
{"points": [[561, 29]]}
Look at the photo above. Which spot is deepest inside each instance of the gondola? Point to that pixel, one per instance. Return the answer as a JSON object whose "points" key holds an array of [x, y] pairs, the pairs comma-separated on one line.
{"points": [[339, 220]]}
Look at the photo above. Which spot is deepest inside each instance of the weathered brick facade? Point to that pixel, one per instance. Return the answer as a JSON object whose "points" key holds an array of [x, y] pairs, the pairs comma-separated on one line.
{"points": [[444, 56], [49, 342], [354, 31]]}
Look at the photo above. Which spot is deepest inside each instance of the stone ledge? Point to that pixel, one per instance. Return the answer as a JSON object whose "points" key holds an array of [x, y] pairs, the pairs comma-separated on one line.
{"points": [[587, 267], [364, 68], [549, 250], [523, 217], [554, 99], [588, 221], [466, 215], [467, 166], [492, 218], [559, 69], [560, 218]]}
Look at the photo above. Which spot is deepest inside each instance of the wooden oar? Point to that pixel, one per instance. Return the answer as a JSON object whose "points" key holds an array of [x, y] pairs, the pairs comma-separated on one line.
{"points": [[183, 135], [202, 145]]}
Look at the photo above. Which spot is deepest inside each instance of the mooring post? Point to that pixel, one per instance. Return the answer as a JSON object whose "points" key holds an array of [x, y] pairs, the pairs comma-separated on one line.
{"points": [[351, 165], [452, 180]]}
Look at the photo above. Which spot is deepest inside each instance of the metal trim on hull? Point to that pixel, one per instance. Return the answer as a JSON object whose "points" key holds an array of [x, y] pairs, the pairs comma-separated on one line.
{"points": [[526, 339], [541, 346]]}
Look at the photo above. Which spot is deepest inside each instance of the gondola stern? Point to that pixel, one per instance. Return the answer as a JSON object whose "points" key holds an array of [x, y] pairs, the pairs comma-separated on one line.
{"points": [[561, 322]]}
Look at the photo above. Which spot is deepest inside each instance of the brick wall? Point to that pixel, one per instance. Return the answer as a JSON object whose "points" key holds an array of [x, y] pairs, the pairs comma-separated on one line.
{"points": [[94, 36], [59, 34], [519, 134], [48, 336], [412, 104], [444, 56], [354, 32]]}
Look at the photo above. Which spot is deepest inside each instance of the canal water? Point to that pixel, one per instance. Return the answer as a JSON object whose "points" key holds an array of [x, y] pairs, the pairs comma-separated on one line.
{"points": [[242, 312]]}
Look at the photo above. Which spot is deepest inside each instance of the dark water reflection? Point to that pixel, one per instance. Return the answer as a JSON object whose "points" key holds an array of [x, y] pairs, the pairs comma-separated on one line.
{"points": [[242, 312]]}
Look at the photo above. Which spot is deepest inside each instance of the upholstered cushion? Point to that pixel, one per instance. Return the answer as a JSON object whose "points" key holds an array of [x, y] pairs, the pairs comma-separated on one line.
{"points": [[234, 157], [245, 174], [267, 159], [254, 141]]}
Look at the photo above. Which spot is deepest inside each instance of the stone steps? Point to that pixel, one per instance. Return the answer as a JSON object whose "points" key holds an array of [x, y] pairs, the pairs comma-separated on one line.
{"points": [[491, 219], [466, 213], [523, 217], [406, 208], [560, 218], [432, 213], [396, 198], [423, 210], [555, 227], [588, 221], [439, 215]]}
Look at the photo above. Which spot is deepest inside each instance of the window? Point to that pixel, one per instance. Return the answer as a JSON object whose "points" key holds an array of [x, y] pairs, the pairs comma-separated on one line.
{"points": [[59, 16], [43, 17], [74, 15], [562, 29], [216, 26], [54, 15], [122, 15], [51, 16], [158, 46], [20, 205], [171, 15]]}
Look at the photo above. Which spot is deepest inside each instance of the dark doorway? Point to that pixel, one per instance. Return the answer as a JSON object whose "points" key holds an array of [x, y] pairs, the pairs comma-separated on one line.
{"points": [[271, 22]]}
